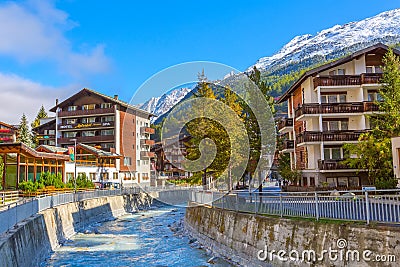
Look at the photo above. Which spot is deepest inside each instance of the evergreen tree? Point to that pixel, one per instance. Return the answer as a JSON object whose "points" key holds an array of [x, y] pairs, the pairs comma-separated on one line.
{"points": [[41, 115], [24, 135]]}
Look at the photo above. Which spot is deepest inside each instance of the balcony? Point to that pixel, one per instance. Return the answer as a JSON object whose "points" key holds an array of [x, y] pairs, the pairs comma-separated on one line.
{"points": [[332, 164], [89, 112], [288, 146], [6, 131], [86, 139], [147, 142], [146, 154], [147, 130], [285, 124], [327, 108], [347, 80], [77, 126], [336, 136]]}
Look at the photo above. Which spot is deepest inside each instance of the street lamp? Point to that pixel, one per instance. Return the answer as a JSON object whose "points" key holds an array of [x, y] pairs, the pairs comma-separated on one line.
{"points": [[75, 156]]}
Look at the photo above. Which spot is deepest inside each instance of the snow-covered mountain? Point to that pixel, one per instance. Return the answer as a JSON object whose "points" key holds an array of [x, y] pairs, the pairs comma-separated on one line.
{"points": [[308, 50], [162, 104], [384, 27]]}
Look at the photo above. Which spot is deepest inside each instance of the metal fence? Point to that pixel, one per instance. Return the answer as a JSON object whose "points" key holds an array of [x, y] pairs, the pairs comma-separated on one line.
{"points": [[382, 206], [16, 212]]}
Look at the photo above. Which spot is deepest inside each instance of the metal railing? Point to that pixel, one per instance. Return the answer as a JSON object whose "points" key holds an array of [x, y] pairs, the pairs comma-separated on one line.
{"points": [[16, 212], [7, 197], [381, 206]]}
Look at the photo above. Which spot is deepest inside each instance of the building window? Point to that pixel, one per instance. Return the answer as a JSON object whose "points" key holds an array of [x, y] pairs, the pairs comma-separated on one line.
{"points": [[341, 72], [92, 176], [105, 105], [301, 156], [312, 181], [339, 125], [374, 96], [52, 132], [138, 162], [52, 143], [70, 134], [70, 121], [127, 161], [107, 118], [72, 108], [107, 132], [107, 145], [335, 153], [354, 181], [45, 132], [115, 175], [342, 181], [331, 182], [373, 69], [333, 98], [89, 133], [89, 107], [104, 176], [89, 120], [332, 72]]}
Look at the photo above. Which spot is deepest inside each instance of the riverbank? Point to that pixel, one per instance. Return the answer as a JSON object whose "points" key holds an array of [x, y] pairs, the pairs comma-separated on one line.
{"points": [[32, 240], [249, 239]]}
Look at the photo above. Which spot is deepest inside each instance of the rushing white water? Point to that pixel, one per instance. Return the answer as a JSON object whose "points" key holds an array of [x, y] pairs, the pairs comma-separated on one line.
{"points": [[149, 238]]}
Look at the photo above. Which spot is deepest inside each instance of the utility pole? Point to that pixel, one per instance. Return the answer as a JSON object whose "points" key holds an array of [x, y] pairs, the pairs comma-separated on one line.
{"points": [[75, 155]]}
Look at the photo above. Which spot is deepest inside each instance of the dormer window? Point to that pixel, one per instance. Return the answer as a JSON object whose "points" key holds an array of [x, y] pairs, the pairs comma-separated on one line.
{"points": [[72, 108]]}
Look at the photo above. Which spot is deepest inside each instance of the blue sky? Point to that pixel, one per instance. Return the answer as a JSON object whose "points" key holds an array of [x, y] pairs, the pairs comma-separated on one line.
{"points": [[51, 49]]}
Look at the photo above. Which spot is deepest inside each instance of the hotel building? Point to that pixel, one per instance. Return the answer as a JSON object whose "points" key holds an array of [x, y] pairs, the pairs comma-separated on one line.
{"points": [[106, 124], [328, 107]]}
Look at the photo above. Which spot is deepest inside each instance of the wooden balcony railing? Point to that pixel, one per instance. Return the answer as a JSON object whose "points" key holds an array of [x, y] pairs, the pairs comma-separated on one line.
{"points": [[89, 112], [83, 139], [285, 122], [105, 124], [347, 107], [288, 144], [147, 130], [147, 142], [346, 80], [332, 164], [146, 154], [341, 136]]}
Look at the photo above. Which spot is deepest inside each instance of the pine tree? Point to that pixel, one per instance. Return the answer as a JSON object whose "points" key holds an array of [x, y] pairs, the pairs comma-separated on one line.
{"points": [[24, 135], [41, 115]]}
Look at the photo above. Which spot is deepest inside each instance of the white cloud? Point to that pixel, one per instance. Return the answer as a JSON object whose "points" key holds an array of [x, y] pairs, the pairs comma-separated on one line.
{"points": [[19, 95], [35, 31]]}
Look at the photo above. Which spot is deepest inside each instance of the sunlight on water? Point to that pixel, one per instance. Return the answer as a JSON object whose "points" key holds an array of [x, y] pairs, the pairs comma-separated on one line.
{"points": [[141, 239]]}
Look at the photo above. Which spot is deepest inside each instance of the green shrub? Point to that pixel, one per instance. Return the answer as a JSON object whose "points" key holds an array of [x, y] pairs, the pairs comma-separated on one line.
{"points": [[1, 187], [51, 179], [81, 182], [27, 186], [386, 183]]}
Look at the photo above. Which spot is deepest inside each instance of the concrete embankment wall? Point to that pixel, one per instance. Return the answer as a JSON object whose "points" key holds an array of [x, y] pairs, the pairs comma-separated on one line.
{"points": [[32, 240], [240, 237]]}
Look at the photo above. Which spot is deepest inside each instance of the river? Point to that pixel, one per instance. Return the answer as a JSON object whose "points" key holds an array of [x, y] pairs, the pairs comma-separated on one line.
{"points": [[147, 238]]}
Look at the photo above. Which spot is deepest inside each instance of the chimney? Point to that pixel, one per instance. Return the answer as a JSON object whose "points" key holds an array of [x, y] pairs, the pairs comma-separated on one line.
{"points": [[116, 97], [56, 101]]}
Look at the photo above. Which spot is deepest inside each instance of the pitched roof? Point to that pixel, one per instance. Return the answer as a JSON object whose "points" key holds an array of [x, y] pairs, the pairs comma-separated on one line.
{"points": [[23, 148], [333, 64], [8, 125], [52, 149], [111, 99], [98, 152]]}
